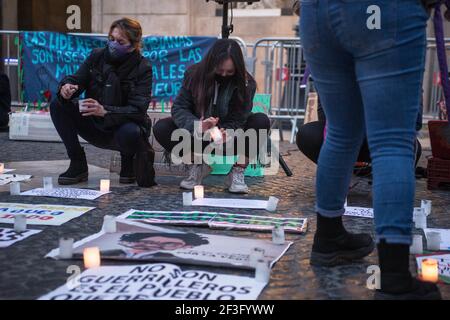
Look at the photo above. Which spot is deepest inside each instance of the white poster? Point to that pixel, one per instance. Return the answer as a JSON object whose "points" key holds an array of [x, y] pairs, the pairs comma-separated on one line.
{"points": [[8, 236], [135, 241], [445, 237], [231, 203], [66, 193], [156, 282], [8, 178], [41, 214]]}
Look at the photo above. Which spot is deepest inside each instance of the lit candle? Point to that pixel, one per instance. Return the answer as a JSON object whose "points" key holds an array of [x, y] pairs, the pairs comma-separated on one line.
{"points": [[434, 241], [427, 205], [262, 273], [2, 168], [91, 258], [430, 270], [66, 248], [110, 224], [278, 235], [255, 255], [199, 192], [216, 135], [20, 223], [187, 199], [15, 188], [48, 183], [417, 245], [105, 185], [272, 204], [420, 218]]}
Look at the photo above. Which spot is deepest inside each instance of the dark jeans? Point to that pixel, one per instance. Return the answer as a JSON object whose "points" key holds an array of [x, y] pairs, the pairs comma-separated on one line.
{"points": [[69, 123], [164, 128]]}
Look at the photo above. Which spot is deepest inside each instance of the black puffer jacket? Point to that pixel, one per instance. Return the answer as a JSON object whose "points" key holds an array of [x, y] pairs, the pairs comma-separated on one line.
{"points": [[125, 89]]}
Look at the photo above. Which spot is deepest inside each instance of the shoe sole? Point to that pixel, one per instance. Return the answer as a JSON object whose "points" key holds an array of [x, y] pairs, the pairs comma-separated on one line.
{"points": [[238, 191], [71, 181], [127, 180], [406, 296], [340, 257]]}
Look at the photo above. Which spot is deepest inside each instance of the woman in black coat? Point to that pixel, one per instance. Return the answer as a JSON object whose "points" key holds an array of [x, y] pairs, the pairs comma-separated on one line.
{"points": [[216, 93], [117, 82]]}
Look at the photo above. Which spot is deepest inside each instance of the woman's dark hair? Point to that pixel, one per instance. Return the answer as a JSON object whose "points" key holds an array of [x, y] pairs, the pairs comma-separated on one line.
{"points": [[132, 30], [200, 79]]}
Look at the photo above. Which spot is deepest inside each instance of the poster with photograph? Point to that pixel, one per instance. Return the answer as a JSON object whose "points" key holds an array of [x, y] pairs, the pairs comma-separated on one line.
{"points": [[41, 214], [140, 242], [156, 282], [8, 237], [217, 220]]}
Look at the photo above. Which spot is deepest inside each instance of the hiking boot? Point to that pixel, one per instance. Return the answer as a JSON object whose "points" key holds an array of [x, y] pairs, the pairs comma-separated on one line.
{"points": [[127, 173], [235, 181], [78, 170]]}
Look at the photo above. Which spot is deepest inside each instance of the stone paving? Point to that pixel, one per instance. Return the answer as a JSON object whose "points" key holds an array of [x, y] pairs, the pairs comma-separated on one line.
{"points": [[25, 274]]}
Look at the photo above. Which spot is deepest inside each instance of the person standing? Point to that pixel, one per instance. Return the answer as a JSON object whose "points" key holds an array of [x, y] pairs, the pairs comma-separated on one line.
{"points": [[5, 102]]}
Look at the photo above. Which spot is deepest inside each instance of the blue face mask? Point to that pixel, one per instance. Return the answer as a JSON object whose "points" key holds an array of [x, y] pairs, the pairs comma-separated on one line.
{"points": [[117, 51]]}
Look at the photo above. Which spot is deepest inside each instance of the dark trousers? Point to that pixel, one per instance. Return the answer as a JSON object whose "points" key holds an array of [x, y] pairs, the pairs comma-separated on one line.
{"points": [[164, 128], [70, 124], [310, 140]]}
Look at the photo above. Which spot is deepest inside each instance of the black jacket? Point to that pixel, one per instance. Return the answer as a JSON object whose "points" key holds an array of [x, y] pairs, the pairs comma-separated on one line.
{"points": [[232, 115], [5, 98], [125, 90]]}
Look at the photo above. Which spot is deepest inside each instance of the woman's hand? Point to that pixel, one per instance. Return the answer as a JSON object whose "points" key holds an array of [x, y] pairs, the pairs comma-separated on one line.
{"points": [[68, 90], [209, 123], [93, 108]]}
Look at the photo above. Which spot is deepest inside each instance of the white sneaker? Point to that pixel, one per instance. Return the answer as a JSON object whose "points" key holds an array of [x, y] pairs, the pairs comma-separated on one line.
{"points": [[197, 172], [235, 181]]}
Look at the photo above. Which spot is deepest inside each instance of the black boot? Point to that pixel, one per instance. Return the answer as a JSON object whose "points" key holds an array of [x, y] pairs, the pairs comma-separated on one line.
{"points": [[77, 172], [145, 172], [397, 282], [333, 245], [127, 173]]}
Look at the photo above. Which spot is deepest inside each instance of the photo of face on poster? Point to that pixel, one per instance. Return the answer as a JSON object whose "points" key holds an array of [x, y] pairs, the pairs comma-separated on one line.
{"points": [[135, 241]]}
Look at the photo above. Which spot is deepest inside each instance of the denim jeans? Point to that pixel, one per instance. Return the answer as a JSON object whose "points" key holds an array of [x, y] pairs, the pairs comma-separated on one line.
{"points": [[370, 82]]}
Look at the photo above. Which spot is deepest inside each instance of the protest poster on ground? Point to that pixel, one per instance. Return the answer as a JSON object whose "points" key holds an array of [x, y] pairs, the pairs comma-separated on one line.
{"points": [[41, 214], [8, 237], [65, 193], [156, 282], [217, 220], [445, 237], [8, 178], [443, 265], [136, 241]]}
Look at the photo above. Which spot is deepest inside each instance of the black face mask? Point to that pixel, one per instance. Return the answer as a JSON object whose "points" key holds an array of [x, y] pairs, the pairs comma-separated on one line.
{"points": [[223, 80]]}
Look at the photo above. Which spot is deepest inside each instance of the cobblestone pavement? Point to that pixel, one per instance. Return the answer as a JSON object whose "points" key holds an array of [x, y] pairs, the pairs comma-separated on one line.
{"points": [[25, 274]]}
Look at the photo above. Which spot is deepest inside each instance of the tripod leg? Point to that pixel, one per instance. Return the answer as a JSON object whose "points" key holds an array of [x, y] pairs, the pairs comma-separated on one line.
{"points": [[285, 167]]}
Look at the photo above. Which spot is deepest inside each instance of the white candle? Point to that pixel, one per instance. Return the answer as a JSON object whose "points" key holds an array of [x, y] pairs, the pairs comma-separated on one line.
{"points": [[278, 235], [105, 185], [48, 183], [417, 245], [66, 248], [216, 135], [110, 224], [199, 192], [2, 168], [262, 273], [15, 188], [91, 258], [434, 241], [430, 270], [187, 199], [420, 218], [272, 204], [426, 205], [82, 108], [20, 223], [255, 255]]}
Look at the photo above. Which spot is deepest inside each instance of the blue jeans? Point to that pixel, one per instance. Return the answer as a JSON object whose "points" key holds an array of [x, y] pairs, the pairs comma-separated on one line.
{"points": [[370, 82]]}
